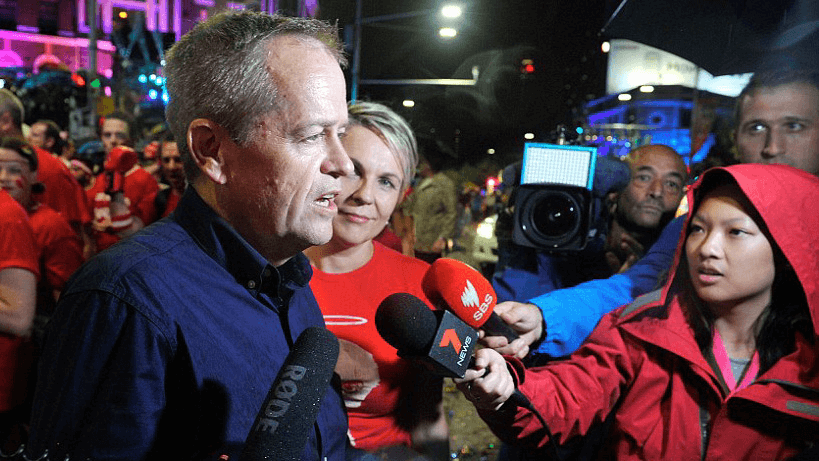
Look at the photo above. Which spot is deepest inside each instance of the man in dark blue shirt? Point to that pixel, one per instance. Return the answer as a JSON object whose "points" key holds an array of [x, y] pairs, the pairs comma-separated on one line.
{"points": [[165, 345]]}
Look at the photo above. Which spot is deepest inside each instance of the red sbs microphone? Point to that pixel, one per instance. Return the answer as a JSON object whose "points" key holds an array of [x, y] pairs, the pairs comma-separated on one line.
{"points": [[456, 286]]}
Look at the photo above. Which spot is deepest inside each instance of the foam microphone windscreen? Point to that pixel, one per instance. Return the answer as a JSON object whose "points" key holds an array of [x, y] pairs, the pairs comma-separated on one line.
{"points": [[406, 323], [289, 411], [436, 339]]}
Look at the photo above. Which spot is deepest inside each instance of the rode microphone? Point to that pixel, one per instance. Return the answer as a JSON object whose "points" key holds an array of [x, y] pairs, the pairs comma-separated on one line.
{"points": [[289, 411], [451, 284], [437, 339]]}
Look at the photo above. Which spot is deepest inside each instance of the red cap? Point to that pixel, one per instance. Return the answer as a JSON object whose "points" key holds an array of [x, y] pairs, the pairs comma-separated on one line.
{"points": [[121, 159], [152, 150]]}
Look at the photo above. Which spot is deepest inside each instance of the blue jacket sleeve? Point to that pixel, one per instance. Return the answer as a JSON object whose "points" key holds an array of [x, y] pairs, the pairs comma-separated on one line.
{"points": [[101, 386], [528, 274], [571, 313]]}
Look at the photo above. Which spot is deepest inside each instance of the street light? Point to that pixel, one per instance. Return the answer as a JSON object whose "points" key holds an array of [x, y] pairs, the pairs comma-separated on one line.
{"points": [[448, 11], [451, 11], [447, 32]]}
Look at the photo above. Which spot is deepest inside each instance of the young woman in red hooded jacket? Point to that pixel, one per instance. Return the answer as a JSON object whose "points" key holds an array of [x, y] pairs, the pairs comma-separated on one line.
{"points": [[721, 363]]}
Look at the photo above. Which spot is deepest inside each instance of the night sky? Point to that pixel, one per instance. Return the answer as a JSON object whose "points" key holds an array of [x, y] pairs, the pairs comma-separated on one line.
{"points": [[561, 37]]}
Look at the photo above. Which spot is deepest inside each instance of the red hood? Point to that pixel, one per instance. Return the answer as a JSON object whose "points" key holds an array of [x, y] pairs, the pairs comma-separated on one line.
{"points": [[788, 201]]}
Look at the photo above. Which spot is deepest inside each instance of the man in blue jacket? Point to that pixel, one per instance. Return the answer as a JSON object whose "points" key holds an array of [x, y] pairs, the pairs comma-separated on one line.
{"points": [[165, 345]]}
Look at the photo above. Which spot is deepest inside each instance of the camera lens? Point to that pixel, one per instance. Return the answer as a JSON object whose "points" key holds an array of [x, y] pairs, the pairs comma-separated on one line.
{"points": [[555, 215]]}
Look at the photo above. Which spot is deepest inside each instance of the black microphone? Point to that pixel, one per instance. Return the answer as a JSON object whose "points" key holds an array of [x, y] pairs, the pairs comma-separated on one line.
{"points": [[419, 334], [438, 338], [286, 418]]}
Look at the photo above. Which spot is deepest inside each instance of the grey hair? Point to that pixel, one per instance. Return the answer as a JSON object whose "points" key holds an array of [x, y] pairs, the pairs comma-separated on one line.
{"points": [[218, 71], [390, 127]]}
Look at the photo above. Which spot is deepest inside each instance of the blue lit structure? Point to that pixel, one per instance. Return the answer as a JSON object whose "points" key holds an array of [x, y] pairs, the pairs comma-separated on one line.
{"points": [[662, 116]]}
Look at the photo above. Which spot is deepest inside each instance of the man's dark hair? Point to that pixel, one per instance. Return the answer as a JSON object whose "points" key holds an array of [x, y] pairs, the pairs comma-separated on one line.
{"points": [[53, 131], [219, 71], [133, 133], [774, 78]]}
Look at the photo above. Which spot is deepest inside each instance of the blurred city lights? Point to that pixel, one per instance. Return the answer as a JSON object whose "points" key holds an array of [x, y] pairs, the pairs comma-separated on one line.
{"points": [[605, 47], [646, 89], [486, 229], [529, 136], [408, 103], [624, 97], [447, 32], [490, 151]]}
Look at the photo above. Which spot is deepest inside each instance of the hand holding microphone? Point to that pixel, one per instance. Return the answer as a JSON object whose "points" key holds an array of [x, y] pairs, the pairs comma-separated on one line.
{"points": [[456, 286], [490, 384], [431, 337], [527, 320]]}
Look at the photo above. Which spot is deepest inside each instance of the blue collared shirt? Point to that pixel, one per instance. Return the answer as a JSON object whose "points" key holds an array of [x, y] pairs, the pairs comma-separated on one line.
{"points": [[165, 346]]}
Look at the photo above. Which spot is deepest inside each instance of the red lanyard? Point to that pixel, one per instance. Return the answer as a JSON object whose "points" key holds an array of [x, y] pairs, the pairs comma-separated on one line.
{"points": [[724, 363]]}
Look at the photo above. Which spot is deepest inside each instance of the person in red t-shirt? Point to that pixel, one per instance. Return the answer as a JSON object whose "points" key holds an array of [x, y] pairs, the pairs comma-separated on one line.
{"points": [[173, 177], [121, 197], [60, 248], [18, 280], [394, 407], [61, 192]]}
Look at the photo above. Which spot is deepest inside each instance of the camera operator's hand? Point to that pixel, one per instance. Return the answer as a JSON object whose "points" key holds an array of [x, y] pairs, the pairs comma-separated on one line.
{"points": [[526, 319], [623, 253]]}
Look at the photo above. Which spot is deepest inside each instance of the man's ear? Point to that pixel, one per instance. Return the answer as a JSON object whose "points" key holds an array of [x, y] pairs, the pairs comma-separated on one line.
{"points": [[204, 139], [611, 201]]}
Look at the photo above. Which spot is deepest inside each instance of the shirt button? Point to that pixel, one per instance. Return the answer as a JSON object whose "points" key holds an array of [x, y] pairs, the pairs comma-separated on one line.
{"points": [[251, 284]]}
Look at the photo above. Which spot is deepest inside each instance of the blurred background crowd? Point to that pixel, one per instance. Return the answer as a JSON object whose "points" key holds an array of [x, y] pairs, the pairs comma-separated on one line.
{"points": [[82, 83]]}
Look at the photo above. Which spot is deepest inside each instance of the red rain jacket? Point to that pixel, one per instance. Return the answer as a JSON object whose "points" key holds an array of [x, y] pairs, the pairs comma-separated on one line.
{"points": [[642, 363]]}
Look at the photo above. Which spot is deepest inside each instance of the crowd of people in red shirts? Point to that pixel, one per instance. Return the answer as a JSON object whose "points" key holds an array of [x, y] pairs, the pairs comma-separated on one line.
{"points": [[56, 211]]}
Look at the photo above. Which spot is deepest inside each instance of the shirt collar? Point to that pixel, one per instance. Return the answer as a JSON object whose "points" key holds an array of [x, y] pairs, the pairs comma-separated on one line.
{"points": [[230, 250]]}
